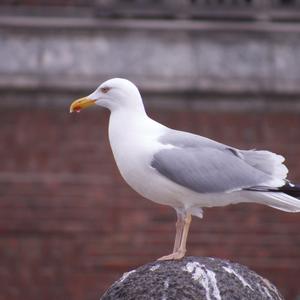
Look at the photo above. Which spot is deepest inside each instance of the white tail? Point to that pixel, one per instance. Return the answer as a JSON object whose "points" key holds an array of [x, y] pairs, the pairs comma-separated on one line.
{"points": [[278, 200]]}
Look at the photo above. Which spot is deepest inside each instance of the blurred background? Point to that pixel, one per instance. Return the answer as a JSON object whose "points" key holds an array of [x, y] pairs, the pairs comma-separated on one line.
{"points": [[225, 69]]}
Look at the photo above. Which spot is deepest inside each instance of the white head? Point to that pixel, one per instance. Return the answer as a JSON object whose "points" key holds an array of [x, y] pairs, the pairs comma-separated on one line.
{"points": [[113, 94]]}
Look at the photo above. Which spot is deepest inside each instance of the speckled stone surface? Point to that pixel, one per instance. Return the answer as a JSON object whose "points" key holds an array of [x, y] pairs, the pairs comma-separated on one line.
{"points": [[192, 278]]}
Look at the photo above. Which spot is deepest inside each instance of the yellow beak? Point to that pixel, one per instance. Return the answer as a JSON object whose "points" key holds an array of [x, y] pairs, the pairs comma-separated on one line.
{"points": [[81, 103]]}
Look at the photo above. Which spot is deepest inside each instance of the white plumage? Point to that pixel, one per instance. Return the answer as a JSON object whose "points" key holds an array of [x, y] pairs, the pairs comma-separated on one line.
{"points": [[184, 170]]}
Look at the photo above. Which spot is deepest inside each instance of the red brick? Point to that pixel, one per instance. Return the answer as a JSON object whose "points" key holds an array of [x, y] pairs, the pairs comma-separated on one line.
{"points": [[70, 225]]}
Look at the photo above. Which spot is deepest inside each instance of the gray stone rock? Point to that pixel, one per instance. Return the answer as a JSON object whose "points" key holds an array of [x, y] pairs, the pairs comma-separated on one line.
{"points": [[192, 278]]}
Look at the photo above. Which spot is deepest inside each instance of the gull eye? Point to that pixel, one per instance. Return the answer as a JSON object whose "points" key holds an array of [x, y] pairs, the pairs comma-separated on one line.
{"points": [[104, 90]]}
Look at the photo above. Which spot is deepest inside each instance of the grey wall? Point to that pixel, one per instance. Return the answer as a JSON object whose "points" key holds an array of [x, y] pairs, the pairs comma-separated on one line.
{"points": [[179, 60]]}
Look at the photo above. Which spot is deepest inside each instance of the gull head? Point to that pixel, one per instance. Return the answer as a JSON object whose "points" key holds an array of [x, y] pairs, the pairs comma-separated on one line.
{"points": [[114, 94]]}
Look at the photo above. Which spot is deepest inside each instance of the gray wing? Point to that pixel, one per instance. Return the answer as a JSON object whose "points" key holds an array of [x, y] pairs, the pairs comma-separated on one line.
{"points": [[205, 166], [186, 140]]}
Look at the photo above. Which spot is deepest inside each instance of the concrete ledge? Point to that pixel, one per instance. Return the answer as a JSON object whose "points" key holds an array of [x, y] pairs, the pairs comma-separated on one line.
{"points": [[86, 22], [162, 57]]}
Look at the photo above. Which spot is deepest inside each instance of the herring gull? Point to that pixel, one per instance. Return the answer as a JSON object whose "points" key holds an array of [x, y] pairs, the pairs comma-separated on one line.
{"points": [[185, 170]]}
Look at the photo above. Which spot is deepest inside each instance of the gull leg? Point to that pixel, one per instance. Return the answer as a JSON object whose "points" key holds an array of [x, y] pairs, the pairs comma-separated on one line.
{"points": [[187, 223], [182, 230], [179, 230]]}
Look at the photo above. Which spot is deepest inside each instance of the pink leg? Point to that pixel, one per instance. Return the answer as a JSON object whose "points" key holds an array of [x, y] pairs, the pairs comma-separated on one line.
{"points": [[179, 230], [182, 230]]}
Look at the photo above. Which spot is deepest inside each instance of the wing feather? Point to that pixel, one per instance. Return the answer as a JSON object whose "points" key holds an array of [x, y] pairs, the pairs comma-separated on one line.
{"points": [[205, 166]]}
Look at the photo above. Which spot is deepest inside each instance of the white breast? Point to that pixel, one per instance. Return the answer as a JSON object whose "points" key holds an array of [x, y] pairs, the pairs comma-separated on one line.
{"points": [[134, 140]]}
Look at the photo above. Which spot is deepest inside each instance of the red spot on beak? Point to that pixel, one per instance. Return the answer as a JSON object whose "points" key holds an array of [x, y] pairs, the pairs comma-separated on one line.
{"points": [[77, 109]]}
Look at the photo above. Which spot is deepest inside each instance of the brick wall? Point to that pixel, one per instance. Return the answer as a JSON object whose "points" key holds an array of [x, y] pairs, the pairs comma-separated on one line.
{"points": [[69, 225]]}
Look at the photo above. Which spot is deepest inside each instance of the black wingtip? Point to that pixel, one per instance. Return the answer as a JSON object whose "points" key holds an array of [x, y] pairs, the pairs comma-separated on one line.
{"points": [[290, 189]]}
